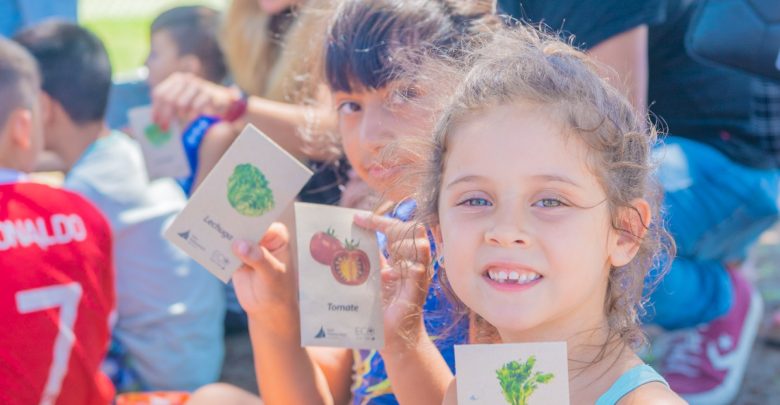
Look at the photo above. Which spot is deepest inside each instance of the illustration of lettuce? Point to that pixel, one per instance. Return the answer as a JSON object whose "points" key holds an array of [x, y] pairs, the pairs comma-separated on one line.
{"points": [[248, 191], [518, 380], [156, 136]]}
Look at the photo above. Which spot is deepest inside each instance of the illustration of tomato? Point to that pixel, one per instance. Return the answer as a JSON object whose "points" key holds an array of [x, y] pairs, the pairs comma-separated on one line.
{"points": [[324, 246], [351, 265]]}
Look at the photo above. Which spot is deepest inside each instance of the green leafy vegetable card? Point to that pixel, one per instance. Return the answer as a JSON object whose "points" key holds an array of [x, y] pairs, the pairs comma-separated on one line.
{"points": [[512, 374], [253, 183], [163, 151], [338, 279]]}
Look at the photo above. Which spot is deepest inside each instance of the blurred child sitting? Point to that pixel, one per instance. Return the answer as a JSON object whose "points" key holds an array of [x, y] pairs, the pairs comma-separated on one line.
{"points": [[168, 333], [57, 295], [184, 39]]}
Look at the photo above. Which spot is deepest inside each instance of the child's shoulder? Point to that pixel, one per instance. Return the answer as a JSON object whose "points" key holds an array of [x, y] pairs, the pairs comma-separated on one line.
{"points": [[653, 393]]}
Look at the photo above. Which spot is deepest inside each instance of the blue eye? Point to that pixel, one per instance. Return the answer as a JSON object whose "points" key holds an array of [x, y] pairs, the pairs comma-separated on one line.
{"points": [[349, 107], [476, 202], [549, 203]]}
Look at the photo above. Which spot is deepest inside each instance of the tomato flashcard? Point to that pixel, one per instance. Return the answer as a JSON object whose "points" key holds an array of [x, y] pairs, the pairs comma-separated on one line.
{"points": [[512, 373], [339, 280], [163, 151], [250, 187]]}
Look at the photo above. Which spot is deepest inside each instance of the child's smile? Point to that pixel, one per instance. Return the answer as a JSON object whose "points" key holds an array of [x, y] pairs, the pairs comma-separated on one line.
{"points": [[510, 276]]}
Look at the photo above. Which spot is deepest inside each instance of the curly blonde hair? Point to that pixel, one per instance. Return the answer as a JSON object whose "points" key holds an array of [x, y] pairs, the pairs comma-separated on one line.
{"points": [[523, 64]]}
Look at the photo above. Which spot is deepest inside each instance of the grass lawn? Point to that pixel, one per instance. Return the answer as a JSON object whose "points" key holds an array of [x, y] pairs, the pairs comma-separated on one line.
{"points": [[127, 40]]}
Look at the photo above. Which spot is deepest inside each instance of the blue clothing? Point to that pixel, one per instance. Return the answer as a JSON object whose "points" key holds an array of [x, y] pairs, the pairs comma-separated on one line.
{"points": [[191, 140], [371, 384], [715, 209], [10, 176], [629, 381], [18, 14]]}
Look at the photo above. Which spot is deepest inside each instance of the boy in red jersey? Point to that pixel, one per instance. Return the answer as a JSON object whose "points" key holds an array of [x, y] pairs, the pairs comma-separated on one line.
{"points": [[56, 273]]}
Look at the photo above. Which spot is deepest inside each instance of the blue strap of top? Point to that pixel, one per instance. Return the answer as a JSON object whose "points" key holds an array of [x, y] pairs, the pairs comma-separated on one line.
{"points": [[629, 381]]}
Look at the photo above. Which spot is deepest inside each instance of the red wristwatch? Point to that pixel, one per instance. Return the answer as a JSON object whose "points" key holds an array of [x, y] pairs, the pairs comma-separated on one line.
{"points": [[237, 108]]}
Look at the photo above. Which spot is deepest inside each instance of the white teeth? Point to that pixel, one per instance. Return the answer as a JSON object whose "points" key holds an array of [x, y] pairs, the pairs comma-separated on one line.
{"points": [[512, 276]]}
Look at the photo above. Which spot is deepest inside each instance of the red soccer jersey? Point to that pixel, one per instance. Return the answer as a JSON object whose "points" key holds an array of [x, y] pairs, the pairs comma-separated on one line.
{"points": [[56, 297]]}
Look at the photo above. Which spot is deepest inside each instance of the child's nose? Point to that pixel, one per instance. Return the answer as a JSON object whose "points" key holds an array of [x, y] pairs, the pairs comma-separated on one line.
{"points": [[375, 128], [507, 235]]}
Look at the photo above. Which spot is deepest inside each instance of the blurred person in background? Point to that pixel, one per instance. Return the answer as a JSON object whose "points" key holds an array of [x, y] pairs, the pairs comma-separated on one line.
{"points": [[719, 171], [184, 39], [168, 333], [57, 297], [272, 50]]}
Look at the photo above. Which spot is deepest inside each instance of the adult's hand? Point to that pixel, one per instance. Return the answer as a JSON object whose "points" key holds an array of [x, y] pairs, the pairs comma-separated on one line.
{"points": [[184, 96]]}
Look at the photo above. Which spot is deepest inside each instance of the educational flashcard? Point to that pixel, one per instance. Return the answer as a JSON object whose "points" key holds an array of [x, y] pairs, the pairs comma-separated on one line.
{"points": [[338, 279], [513, 374], [248, 189], [163, 150]]}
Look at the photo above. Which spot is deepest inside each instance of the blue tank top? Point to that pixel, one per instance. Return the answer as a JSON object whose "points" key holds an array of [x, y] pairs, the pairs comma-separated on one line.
{"points": [[629, 381], [371, 384]]}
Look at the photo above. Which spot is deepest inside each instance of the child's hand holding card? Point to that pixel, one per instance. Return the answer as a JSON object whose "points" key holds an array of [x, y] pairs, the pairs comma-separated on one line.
{"points": [[250, 187], [163, 150], [339, 279], [514, 374]]}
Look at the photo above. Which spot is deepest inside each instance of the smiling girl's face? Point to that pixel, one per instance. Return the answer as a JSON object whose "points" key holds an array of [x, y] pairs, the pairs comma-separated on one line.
{"points": [[524, 226]]}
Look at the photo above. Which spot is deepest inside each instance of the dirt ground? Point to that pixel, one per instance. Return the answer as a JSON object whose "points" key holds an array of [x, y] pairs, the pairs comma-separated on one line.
{"points": [[761, 385]]}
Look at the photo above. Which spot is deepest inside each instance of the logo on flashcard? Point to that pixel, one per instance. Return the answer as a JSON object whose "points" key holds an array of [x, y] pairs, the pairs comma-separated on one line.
{"points": [[219, 259], [320, 334], [184, 235]]}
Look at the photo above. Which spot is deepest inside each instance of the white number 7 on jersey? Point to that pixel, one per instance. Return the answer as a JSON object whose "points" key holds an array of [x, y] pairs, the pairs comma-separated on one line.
{"points": [[66, 297]]}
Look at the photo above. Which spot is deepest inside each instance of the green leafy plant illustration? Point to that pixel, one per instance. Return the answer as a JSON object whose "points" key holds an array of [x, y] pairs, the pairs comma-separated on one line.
{"points": [[518, 380], [248, 191], [156, 136]]}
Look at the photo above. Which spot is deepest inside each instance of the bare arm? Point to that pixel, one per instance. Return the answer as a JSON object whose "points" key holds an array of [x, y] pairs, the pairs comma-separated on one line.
{"points": [[418, 373], [283, 122], [266, 288], [626, 55], [415, 367], [288, 374], [185, 96]]}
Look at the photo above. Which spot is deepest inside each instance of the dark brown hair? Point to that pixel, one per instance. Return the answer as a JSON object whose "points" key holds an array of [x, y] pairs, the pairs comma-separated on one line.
{"points": [[365, 38], [74, 67], [194, 29]]}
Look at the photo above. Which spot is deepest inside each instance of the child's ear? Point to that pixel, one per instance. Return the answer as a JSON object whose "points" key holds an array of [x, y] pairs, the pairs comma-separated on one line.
{"points": [[20, 127], [632, 226]]}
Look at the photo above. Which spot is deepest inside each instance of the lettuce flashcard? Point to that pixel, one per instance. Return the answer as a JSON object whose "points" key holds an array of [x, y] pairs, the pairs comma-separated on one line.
{"points": [[249, 188], [512, 373], [163, 150], [338, 279]]}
